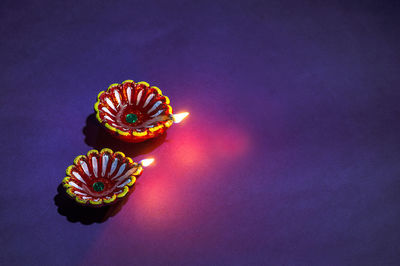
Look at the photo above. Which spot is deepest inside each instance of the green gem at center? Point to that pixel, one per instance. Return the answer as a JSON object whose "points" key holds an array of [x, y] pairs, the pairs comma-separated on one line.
{"points": [[98, 186], [131, 118]]}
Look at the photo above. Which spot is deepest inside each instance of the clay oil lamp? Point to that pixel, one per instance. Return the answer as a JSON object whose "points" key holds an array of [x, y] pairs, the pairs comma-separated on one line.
{"points": [[101, 178], [135, 112]]}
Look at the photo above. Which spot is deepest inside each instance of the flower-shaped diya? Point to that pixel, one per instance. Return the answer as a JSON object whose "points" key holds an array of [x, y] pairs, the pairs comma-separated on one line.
{"points": [[100, 178], [135, 112]]}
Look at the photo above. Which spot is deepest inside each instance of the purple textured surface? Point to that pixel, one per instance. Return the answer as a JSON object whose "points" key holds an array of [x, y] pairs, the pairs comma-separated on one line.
{"points": [[290, 155]]}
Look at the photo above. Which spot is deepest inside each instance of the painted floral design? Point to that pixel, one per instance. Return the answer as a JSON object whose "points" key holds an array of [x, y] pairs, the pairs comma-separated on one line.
{"points": [[133, 111], [101, 177]]}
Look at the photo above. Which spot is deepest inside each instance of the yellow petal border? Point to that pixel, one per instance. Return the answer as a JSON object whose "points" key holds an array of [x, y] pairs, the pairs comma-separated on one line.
{"points": [[102, 201], [134, 133]]}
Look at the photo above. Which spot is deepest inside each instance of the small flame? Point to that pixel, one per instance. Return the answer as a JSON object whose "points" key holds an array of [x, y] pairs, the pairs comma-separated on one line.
{"points": [[146, 162], [179, 117]]}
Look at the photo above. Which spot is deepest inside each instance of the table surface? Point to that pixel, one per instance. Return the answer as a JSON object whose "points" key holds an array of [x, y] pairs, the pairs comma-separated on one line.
{"points": [[290, 155]]}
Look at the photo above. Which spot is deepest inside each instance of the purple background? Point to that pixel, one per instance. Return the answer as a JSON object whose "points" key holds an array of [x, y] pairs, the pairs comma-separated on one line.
{"points": [[290, 155]]}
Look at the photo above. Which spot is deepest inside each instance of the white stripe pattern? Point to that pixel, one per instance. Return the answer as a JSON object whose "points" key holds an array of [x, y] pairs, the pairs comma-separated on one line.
{"points": [[148, 99], [126, 182], [80, 193], [139, 97], [110, 103], [78, 176], [113, 167], [107, 111], [156, 114], [72, 183], [85, 168], [104, 164], [127, 174], [154, 107], [94, 164], [108, 118], [129, 93], [118, 97], [121, 170]]}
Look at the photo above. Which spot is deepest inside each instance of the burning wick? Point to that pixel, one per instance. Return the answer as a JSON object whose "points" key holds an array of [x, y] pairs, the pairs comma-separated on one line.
{"points": [[146, 162], [179, 117]]}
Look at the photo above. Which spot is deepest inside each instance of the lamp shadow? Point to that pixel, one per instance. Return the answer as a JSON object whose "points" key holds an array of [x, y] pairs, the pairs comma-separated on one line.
{"points": [[84, 214], [97, 137]]}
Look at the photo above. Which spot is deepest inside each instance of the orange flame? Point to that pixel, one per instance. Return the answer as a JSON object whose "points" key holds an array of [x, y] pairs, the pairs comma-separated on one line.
{"points": [[146, 162], [179, 117]]}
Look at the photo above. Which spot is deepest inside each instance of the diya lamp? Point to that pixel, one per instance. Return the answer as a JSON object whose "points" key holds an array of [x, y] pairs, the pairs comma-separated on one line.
{"points": [[102, 177], [135, 112]]}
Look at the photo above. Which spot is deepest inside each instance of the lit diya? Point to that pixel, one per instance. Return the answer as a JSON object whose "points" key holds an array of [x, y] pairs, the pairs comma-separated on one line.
{"points": [[135, 112], [100, 178]]}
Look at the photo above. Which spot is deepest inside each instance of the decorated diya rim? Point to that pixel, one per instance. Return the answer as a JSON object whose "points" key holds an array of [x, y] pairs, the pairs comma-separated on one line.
{"points": [[116, 95], [101, 177]]}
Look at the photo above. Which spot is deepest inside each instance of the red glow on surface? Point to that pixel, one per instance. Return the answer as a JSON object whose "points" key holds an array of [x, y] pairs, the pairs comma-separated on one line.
{"points": [[174, 194], [202, 143], [193, 157], [235, 143], [156, 205], [190, 151]]}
